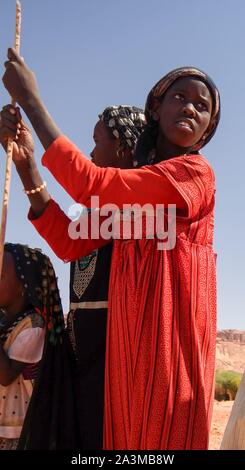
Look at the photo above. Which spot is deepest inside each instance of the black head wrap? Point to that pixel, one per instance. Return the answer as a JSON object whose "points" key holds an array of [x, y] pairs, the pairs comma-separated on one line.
{"points": [[147, 141], [37, 274]]}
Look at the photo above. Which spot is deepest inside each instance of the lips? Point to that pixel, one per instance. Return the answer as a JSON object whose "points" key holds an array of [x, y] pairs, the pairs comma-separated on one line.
{"points": [[185, 124]]}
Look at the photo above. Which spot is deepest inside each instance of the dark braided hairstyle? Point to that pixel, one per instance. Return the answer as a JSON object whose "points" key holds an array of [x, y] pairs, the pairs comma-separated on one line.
{"points": [[146, 145], [125, 123], [36, 272]]}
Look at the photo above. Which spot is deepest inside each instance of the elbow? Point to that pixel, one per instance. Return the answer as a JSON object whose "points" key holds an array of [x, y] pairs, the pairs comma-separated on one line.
{"points": [[6, 381], [8, 377]]}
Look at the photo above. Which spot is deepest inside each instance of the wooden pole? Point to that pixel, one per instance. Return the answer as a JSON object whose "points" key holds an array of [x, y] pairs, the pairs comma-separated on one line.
{"points": [[8, 168]]}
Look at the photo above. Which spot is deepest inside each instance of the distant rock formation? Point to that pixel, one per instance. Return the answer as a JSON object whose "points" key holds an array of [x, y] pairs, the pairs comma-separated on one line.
{"points": [[230, 350]]}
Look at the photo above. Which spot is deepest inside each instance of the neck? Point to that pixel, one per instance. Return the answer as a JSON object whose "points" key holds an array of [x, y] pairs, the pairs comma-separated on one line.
{"points": [[166, 150]]}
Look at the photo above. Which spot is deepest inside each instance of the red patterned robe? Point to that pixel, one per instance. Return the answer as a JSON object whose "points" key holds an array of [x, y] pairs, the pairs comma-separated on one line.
{"points": [[161, 328]]}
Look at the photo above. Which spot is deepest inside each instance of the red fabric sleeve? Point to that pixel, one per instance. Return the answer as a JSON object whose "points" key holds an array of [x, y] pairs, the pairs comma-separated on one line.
{"points": [[53, 226], [187, 181], [82, 179]]}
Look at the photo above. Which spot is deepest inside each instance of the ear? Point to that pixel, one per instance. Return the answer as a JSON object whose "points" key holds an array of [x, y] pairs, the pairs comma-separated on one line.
{"points": [[128, 151], [125, 156], [118, 144], [155, 107]]}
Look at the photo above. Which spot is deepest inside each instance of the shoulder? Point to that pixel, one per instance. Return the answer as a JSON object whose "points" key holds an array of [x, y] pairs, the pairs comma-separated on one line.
{"points": [[199, 161], [31, 320], [188, 167], [202, 167], [31, 325], [186, 160], [36, 320]]}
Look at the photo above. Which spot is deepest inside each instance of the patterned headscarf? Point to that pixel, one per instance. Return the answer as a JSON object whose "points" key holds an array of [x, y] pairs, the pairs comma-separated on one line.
{"points": [[37, 274], [126, 123], [158, 91]]}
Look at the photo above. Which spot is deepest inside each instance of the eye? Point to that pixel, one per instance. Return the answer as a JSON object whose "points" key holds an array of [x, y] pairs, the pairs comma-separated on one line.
{"points": [[202, 106], [179, 96]]}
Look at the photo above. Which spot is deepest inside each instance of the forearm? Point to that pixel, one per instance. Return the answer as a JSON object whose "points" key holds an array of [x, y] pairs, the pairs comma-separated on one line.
{"points": [[21, 84], [31, 179], [54, 226], [42, 122]]}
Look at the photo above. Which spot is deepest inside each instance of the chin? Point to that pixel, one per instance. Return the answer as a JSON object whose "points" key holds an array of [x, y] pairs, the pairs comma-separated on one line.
{"points": [[185, 144], [96, 163], [182, 141]]}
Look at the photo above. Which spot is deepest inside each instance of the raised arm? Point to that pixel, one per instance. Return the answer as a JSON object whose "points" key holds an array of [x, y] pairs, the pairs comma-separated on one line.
{"points": [[12, 126], [21, 84], [186, 181], [80, 178], [46, 216]]}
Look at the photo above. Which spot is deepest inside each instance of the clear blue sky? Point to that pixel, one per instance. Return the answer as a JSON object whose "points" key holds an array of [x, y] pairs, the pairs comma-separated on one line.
{"points": [[88, 54]]}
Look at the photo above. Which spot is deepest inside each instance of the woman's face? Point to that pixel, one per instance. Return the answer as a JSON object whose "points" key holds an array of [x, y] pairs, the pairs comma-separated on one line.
{"points": [[184, 112], [10, 285], [105, 150]]}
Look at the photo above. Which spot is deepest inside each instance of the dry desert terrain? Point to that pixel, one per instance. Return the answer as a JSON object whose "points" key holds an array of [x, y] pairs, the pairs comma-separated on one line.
{"points": [[221, 413]]}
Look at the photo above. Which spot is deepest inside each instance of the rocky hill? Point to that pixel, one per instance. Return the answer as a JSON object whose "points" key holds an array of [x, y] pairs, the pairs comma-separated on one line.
{"points": [[230, 350]]}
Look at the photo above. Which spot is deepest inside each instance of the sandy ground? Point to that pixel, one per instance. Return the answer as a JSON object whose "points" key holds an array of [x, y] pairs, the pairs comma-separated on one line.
{"points": [[221, 413]]}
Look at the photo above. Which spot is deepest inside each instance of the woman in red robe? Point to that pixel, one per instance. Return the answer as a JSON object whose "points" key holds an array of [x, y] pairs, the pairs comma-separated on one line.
{"points": [[161, 332]]}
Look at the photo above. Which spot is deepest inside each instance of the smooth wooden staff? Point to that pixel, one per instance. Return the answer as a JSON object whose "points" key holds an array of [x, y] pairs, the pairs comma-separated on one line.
{"points": [[9, 155]]}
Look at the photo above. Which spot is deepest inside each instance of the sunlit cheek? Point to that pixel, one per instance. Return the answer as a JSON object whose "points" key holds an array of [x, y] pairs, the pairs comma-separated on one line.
{"points": [[205, 125]]}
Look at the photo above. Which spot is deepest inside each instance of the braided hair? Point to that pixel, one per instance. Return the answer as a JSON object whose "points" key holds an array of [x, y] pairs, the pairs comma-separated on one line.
{"points": [[126, 123]]}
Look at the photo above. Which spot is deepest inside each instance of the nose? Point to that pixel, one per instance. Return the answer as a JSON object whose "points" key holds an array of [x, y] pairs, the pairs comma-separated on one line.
{"points": [[189, 109]]}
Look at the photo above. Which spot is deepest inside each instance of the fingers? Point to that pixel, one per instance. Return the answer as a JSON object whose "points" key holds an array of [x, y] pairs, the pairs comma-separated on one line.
{"points": [[8, 130], [12, 111], [10, 63], [18, 114], [7, 133], [13, 56], [10, 123], [11, 114]]}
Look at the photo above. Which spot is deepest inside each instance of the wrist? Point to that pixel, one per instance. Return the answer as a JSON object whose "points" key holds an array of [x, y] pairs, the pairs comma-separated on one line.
{"points": [[31, 104], [36, 190]]}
